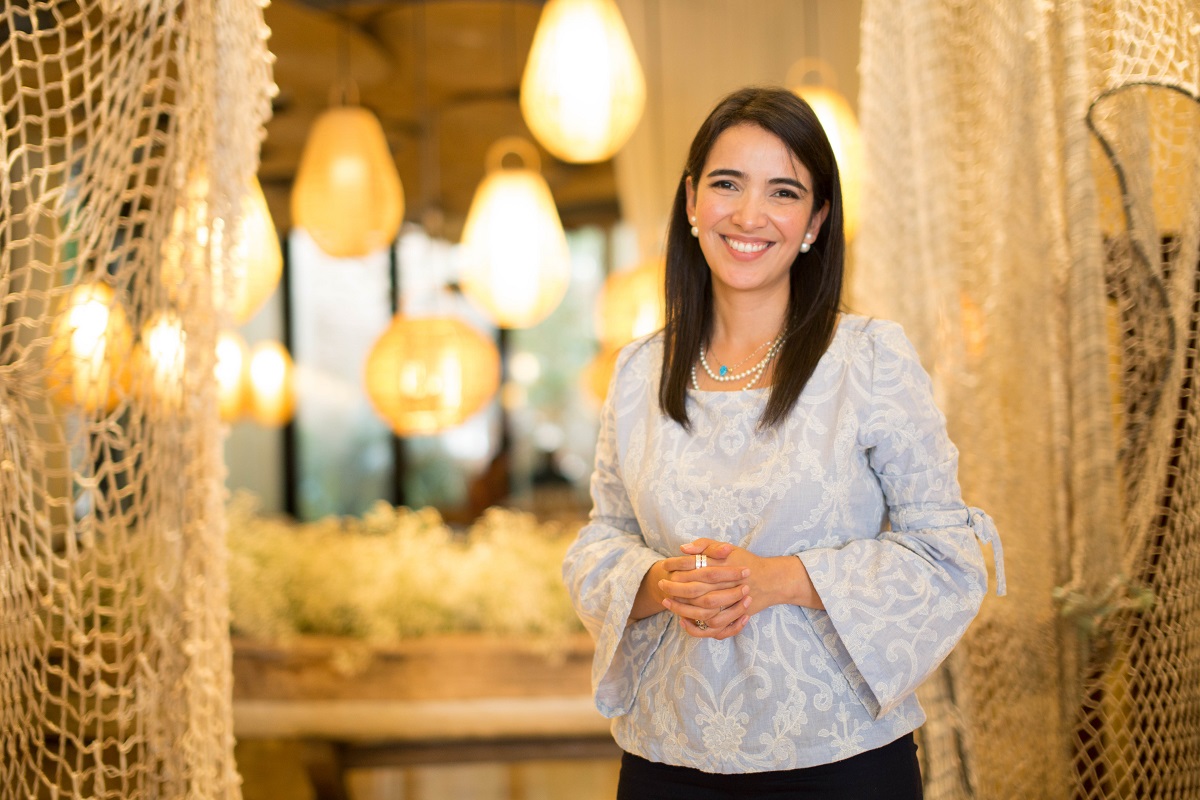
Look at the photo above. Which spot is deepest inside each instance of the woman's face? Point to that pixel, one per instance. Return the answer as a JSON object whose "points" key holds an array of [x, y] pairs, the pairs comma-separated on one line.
{"points": [[752, 204]]}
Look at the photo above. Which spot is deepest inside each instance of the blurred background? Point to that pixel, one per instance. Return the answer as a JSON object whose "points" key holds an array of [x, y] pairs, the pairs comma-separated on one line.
{"points": [[444, 82]]}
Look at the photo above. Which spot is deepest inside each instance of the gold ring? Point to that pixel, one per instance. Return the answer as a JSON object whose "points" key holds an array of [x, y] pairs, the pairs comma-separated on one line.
{"points": [[701, 624]]}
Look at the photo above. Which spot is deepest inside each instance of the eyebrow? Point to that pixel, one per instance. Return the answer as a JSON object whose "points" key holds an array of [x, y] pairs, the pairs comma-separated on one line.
{"points": [[733, 173]]}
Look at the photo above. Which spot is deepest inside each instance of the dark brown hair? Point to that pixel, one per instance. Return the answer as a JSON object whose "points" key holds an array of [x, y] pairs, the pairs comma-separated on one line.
{"points": [[815, 276]]}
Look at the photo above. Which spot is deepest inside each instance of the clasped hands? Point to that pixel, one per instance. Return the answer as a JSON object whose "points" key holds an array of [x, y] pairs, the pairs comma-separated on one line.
{"points": [[716, 600]]}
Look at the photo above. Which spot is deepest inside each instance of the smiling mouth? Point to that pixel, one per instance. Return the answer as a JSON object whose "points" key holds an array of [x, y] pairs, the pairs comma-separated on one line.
{"points": [[747, 247]]}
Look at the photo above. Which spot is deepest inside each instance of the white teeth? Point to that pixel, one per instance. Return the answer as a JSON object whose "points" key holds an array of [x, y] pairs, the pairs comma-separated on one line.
{"points": [[748, 247]]}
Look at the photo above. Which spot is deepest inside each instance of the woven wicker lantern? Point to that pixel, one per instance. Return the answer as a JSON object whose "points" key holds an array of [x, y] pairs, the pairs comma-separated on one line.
{"points": [[631, 304], [258, 259], [232, 374], [516, 262], [428, 374], [160, 359], [89, 357], [272, 386], [347, 194], [583, 90]]}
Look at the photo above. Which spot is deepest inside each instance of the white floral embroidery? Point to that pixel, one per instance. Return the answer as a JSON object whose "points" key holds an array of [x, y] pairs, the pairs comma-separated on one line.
{"points": [[859, 482]]}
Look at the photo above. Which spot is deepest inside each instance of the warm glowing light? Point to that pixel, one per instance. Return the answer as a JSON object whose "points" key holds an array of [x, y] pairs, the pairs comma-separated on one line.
{"points": [[597, 375], [257, 258], [583, 91], [89, 358], [428, 374], [231, 373], [272, 386], [631, 304], [516, 262], [347, 194], [160, 359], [841, 126]]}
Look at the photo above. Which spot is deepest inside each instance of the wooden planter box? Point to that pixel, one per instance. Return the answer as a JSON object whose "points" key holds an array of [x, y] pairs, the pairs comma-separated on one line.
{"points": [[451, 688]]}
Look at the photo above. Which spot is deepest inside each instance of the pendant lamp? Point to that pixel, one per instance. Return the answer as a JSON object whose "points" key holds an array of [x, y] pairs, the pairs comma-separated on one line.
{"points": [[160, 359], [90, 349], [347, 194], [516, 263], [427, 374], [841, 126], [631, 304], [257, 258], [231, 373], [272, 389], [583, 91]]}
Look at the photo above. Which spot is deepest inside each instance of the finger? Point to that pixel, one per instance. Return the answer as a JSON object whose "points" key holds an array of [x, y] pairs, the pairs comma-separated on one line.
{"points": [[698, 545], [733, 629], [717, 594], [718, 550], [707, 608], [713, 573]]}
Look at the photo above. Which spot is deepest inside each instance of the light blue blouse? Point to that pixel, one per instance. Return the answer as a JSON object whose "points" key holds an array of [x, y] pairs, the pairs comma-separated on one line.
{"points": [[865, 446]]}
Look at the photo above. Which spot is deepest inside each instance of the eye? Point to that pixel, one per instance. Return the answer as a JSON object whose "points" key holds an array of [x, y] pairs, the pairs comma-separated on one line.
{"points": [[787, 194], [722, 183]]}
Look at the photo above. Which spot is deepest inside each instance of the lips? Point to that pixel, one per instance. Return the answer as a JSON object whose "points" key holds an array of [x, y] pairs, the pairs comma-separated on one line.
{"points": [[746, 247]]}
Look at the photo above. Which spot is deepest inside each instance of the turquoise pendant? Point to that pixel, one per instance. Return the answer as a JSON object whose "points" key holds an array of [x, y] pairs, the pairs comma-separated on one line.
{"points": [[724, 370]]}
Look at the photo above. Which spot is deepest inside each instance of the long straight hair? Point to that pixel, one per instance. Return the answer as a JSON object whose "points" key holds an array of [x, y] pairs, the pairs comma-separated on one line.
{"points": [[815, 277]]}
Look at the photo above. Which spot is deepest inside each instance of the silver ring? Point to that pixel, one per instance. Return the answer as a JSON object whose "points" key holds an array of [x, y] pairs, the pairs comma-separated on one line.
{"points": [[701, 624], [701, 561]]}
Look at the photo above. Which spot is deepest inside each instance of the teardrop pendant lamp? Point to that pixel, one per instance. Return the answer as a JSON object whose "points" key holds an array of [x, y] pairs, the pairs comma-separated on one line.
{"points": [[516, 264], [841, 126], [583, 91], [347, 193], [258, 258]]}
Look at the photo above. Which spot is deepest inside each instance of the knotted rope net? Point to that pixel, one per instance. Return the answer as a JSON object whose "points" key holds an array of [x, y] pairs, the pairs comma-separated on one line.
{"points": [[130, 131], [1032, 216]]}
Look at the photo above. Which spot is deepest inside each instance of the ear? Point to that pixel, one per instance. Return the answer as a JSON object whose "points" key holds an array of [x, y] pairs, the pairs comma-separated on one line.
{"points": [[691, 196], [818, 219]]}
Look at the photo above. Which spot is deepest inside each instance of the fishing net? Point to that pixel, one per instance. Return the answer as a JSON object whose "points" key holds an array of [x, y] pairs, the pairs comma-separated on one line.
{"points": [[130, 131], [1032, 216]]}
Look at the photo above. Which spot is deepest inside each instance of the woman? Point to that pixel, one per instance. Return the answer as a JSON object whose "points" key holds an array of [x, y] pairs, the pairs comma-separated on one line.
{"points": [[760, 628]]}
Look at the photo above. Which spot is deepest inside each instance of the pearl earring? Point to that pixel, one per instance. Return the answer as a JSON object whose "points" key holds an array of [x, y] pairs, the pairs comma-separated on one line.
{"points": [[805, 246], [695, 230]]}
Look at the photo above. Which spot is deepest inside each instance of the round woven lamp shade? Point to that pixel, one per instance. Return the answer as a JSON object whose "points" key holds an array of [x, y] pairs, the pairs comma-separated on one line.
{"points": [[428, 374], [583, 91], [516, 262], [347, 194], [232, 373], [272, 385], [90, 350]]}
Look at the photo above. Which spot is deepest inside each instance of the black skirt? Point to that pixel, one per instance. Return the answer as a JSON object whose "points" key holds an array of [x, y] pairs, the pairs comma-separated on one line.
{"points": [[890, 772]]}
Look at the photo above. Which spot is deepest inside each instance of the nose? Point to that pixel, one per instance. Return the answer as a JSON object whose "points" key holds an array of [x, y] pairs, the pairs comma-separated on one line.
{"points": [[750, 212]]}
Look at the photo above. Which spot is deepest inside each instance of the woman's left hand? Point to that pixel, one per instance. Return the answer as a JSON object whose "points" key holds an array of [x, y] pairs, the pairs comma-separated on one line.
{"points": [[768, 580]]}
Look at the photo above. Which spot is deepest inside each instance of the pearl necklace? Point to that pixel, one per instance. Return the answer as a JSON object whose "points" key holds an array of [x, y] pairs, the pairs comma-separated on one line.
{"points": [[724, 370], [754, 373]]}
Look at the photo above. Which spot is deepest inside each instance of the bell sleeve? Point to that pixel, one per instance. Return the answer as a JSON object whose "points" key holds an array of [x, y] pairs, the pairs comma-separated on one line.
{"points": [[604, 567], [898, 603]]}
